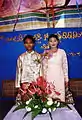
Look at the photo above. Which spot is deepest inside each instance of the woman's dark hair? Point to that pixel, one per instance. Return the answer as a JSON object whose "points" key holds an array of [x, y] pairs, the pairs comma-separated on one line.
{"points": [[29, 37], [53, 36]]}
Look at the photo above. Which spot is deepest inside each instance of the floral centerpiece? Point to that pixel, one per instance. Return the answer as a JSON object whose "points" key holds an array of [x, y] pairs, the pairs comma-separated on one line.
{"points": [[37, 98]]}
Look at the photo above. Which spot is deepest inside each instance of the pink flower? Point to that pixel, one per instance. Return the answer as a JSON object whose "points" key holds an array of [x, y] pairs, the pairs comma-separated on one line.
{"points": [[47, 54]]}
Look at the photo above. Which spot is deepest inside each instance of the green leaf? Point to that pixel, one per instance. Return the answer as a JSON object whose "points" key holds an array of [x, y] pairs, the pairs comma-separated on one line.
{"points": [[22, 106], [35, 113]]}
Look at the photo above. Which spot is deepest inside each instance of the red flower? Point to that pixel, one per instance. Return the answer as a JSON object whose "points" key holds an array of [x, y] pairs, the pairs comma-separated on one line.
{"points": [[40, 87], [39, 91], [57, 93], [41, 82], [44, 99], [31, 89], [24, 86]]}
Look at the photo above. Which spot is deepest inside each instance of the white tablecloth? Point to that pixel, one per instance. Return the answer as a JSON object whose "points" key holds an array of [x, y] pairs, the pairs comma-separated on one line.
{"points": [[59, 114]]}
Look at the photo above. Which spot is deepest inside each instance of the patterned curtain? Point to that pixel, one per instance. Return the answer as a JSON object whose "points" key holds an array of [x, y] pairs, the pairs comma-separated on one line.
{"points": [[10, 7]]}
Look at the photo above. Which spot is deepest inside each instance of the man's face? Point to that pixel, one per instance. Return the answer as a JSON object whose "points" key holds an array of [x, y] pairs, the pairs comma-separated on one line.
{"points": [[29, 44]]}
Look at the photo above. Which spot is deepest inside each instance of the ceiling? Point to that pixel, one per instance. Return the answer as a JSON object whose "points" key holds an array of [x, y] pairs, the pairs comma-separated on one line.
{"points": [[13, 7]]}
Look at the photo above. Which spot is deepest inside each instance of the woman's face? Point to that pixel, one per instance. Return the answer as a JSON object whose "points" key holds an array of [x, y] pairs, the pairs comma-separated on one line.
{"points": [[29, 44], [53, 42]]}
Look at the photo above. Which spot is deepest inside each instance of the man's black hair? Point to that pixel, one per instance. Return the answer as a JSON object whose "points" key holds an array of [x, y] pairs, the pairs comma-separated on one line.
{"points": [[29, 37]]}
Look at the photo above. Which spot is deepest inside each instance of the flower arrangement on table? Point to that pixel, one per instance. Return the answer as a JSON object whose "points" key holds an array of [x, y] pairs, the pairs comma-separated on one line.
{"points": [[38, 99]]}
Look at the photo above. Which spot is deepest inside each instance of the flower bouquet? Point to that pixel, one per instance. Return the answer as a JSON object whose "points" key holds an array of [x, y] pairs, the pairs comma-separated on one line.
{"points": [[38, 100]]}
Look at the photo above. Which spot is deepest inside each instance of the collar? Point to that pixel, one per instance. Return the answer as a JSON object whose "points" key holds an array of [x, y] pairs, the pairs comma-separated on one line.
{"points": [[30, 52]]}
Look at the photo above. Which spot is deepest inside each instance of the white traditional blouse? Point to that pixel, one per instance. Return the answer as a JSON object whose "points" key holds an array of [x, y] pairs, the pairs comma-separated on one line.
{"points": [[28, 67]]}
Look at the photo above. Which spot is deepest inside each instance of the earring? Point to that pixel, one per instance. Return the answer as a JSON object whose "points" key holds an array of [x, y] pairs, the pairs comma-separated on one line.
{"points": [[48, 46]]}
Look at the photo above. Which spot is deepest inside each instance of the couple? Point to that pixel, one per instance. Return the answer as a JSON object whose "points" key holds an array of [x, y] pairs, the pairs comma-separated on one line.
{"points": [[52, 65]]}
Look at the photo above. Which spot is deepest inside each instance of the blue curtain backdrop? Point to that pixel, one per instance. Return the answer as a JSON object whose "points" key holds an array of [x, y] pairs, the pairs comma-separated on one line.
{"points": [[11, 46]]}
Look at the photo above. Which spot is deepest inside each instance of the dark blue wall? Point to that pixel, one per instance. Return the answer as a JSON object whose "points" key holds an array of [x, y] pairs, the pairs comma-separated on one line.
{"points": [[11, 46]]}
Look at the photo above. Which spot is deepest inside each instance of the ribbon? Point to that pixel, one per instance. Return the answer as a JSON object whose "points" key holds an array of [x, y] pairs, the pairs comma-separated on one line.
{"points": [[17, 16], [77, 5]]}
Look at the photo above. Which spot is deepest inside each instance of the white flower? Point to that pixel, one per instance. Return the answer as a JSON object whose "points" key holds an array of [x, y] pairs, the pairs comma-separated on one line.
{"points": [[49, 99], [54, 109], [27, 102], [36, 106], [50, 102], [58, 104], [55, 102], [50, 109], [44, 110], [34, 57], [28, 108]]}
